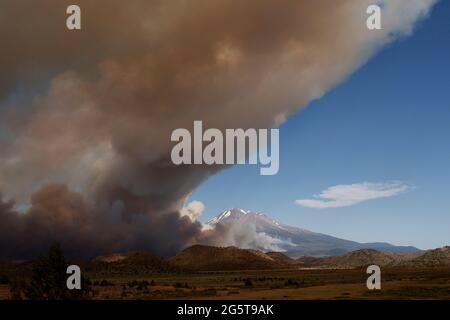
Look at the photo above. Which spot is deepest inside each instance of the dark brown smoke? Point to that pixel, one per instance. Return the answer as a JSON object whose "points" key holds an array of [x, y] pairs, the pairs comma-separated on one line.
{"points": [[86, 229]]}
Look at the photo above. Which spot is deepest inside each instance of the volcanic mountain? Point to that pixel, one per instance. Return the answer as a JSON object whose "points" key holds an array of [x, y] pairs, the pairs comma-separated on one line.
{"points": [[292, 241]]}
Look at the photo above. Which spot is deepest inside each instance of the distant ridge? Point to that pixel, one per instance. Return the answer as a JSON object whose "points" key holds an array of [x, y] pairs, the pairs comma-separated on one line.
{"points": [[205, 258], [200, 258]]}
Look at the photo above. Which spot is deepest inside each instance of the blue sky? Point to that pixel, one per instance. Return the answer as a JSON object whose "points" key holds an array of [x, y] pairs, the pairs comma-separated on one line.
{"points": [[387, 123]]}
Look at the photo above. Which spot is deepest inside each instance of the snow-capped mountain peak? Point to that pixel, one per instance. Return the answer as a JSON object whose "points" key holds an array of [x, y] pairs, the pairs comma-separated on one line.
{"points": [[260, 220], [247, 225], [232, 214]]}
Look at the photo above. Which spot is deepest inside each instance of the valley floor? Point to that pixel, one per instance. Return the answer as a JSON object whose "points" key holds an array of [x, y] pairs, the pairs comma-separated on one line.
{"points": [[397, 283]]}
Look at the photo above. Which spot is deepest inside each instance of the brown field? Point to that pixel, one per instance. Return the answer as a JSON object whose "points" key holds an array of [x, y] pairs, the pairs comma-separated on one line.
{"points": [[274, 284]]}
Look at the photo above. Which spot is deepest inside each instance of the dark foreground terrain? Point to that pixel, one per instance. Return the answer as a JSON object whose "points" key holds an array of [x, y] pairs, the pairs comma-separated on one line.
{"points": [[272, 284], [281, 284], [203, 272]]}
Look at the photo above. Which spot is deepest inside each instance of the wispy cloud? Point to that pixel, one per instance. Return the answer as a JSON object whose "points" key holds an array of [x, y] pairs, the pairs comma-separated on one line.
{"points": [[351, 194]]}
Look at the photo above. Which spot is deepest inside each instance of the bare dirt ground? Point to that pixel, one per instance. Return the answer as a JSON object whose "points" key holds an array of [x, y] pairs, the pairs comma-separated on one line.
{"points": [[4, 292]]}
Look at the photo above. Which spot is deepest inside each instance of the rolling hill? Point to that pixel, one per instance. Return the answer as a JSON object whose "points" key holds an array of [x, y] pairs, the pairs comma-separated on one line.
{"points": [[431, 258], [205, 258], [363, 258], [131, 263]]}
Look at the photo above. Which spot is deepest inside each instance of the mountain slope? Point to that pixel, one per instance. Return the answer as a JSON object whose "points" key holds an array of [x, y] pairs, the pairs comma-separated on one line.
{"points": [[205, 258], [293, 241], [131, 263], [431, 258], [363, 258]]}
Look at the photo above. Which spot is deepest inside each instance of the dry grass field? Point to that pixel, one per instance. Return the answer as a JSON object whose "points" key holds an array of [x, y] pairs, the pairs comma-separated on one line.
{"points": [[398, 283], [140, 275]]}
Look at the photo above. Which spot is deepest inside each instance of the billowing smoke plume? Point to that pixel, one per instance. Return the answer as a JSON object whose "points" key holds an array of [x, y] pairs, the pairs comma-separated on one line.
{"points": [[86, 116], [245, 236]]}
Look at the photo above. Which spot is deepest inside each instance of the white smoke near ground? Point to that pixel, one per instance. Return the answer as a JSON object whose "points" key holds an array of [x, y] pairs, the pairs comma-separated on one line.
{"points": [[86, 116], [244, 235]]}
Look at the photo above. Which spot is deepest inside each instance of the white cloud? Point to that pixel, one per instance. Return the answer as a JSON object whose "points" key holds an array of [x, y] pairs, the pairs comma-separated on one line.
{"points": [[351, 194]]}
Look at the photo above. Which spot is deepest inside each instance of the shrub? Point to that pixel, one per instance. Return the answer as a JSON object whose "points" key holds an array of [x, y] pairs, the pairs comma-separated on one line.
{"points": [[106, 283], [248, 282], [4, 279], [48, 279]]}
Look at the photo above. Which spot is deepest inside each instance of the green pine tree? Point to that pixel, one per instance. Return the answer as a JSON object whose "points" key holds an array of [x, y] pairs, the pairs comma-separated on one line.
{"points": [[48, 279]]}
